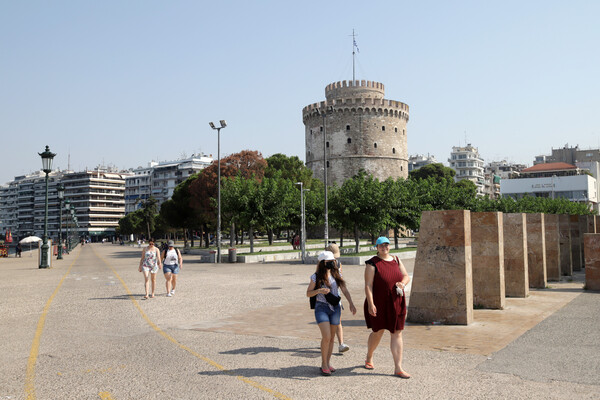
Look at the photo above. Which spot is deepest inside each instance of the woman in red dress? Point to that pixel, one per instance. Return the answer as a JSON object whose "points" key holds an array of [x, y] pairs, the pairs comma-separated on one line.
{"points": [[385, 305]]}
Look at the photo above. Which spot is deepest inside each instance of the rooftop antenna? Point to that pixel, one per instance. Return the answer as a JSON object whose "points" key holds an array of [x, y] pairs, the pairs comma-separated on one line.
{"points": [[354, 46], [69, 160]]}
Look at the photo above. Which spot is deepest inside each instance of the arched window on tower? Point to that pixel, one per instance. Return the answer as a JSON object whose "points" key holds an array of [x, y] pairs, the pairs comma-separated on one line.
{"points": [[375, 145], [321, 129], [396, 129], [327, 144], [347, 127], [327, 164], [349, 140], [383, 128], [393, 150]]}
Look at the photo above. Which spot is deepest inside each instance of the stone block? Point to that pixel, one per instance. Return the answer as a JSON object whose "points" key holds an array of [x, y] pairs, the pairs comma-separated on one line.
{"points": [[566, 260], [487, 250], [516, 273], [597, 222], [536, 250], [442, 286], [591, 244], [552, 247], [575, 242]]}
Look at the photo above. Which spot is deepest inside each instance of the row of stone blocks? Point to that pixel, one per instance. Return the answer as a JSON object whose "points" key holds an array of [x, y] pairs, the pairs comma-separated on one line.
{"points": [[466, 259]]}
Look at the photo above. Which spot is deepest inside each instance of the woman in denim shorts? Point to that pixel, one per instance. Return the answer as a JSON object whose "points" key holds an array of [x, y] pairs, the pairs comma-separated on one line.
{"points": [[327, 281], [172, 262]]}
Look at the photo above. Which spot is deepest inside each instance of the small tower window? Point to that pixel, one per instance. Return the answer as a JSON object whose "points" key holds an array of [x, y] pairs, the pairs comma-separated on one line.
{"points": [[327, 164], [321, 129], [347, 127], [394, 150], [327, 144], [401, 168], [396, 130], [349, 140], [375, 145], [404, 131], [383, 128]]}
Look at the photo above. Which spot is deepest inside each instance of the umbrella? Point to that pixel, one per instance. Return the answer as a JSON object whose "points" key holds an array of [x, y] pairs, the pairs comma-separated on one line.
{"points": [[30, 239]]}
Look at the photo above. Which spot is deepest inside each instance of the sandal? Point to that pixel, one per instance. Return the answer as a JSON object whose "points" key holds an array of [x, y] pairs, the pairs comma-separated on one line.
{"points": [[369, 365], [402, 375], [145, 298], [325, 372], [332, 370]]}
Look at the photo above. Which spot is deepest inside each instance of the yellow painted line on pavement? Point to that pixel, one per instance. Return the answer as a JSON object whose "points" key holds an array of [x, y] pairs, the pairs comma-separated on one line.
{"points": [[105, 396], [35, 346], [218, 366]]}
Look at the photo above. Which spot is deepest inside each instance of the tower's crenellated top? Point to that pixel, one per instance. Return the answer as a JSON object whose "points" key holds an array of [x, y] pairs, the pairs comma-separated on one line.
{"points": [[354, 89]]}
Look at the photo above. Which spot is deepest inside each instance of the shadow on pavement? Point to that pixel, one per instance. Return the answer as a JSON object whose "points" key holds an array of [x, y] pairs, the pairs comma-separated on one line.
{"points": [[301, 372]]}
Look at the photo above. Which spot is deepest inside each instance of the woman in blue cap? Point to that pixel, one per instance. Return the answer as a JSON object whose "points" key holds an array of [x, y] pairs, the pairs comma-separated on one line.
{"points": [[385, 306], [326, 284]]}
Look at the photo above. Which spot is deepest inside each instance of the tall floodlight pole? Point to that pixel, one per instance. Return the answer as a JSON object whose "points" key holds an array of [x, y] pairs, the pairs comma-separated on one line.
{"points": [[223, 125], [60, 189], [302, 224], [47, 157], [323, 113]]}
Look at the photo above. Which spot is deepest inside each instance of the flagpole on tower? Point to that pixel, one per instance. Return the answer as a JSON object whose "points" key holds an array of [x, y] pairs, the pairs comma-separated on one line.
{"points": [[354, 45]]}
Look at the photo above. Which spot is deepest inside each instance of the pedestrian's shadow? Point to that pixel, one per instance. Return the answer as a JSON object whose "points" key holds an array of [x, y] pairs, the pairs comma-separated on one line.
{"points": [[308, 352], [120, 297], [299, 372]]}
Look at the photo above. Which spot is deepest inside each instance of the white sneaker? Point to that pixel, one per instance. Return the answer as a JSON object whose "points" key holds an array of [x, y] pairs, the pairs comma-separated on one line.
{"points": [[343, 348], [172, 291], [169, 295]]}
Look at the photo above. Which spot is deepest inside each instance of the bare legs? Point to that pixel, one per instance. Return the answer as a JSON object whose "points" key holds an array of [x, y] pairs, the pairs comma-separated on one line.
{"points": [[396, 345], [169, 282], [340, 333], [149, 277], [327, 340], [373, 342]]}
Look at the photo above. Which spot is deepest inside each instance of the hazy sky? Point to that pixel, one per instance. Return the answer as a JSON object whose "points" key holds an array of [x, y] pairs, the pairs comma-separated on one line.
{"points": [[127, 82]]}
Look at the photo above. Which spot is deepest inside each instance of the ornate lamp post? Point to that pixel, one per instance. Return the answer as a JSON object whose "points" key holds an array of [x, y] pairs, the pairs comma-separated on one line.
{"points": [[223, 125], [47, 157], [68, 208], [60, 189]]}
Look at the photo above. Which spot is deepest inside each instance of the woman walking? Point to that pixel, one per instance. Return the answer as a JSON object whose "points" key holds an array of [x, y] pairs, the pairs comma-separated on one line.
{"points": [[172, 263], [326, 284], [385, 305], [149, 264]]}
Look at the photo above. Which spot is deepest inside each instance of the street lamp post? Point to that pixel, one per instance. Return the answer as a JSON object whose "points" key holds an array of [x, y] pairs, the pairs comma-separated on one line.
{"points": [[223, 125], [60, 189], [68, 208], [47, 157]]}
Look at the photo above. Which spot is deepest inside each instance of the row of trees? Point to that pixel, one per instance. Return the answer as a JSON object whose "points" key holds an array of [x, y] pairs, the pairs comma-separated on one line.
{"points": [[260, 194]]}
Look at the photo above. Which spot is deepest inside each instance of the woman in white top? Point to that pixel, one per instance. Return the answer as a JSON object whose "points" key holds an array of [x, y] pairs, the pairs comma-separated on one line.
{"points": [[326, 285], [172, 263], [149, 264]]}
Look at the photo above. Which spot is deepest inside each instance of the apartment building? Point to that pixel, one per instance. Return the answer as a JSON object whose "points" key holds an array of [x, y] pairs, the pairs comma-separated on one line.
{"points": [[417, 161], [468, 165], [97, 196], [160, 179]]}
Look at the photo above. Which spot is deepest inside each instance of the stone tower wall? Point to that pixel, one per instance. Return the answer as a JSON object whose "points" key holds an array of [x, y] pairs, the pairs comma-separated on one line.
{"points": [[364, 131]]}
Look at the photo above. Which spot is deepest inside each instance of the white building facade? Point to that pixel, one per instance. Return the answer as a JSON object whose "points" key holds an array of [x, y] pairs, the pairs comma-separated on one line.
{"points": [[468, 165], [159, 180]]}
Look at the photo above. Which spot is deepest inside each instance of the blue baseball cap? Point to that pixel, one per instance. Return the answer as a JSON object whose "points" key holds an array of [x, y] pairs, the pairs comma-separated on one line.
{"points": [[382, 240]]}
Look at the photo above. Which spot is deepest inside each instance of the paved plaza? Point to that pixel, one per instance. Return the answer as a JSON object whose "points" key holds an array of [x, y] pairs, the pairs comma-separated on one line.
{"points": [[81, 330]]}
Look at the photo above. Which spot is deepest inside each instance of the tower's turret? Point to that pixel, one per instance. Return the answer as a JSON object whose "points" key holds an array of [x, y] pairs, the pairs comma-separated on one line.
{"points": [[362, 131]]}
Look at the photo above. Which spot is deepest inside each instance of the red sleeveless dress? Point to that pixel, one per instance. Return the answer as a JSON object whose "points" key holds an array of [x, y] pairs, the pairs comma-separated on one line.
{"points": [[391, 308]]}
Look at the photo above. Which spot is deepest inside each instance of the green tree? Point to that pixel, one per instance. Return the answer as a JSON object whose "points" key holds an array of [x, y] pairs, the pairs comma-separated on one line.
{"points": [[436, 170], [149, 211], [291, 168], [360, 203]]}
